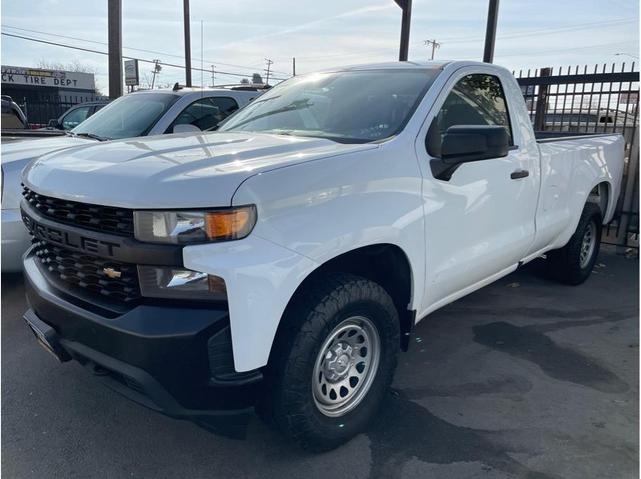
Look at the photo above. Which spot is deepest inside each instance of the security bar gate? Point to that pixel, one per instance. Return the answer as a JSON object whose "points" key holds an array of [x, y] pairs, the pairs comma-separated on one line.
{"points": [[586, 100]]}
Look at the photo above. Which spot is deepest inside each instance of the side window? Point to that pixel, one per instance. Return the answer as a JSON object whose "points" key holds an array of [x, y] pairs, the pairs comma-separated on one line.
{"points": [[205, 113], [75, 117], [475, 100]]}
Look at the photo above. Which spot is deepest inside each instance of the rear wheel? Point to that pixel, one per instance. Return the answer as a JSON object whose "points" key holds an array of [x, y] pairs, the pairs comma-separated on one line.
{"points": [[333, 361], [573, 263]]}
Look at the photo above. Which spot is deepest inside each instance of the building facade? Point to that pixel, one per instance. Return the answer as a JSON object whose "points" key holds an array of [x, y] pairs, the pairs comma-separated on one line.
{"points": [[44, 94]]}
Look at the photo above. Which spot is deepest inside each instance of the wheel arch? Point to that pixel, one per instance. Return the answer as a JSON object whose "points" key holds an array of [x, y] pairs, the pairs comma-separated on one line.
{"points": [[386, 264], [601, 194]]}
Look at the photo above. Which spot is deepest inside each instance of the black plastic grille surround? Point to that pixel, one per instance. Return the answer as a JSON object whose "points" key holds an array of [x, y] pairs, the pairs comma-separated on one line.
{"points": [[107, 219], [88, 272]]}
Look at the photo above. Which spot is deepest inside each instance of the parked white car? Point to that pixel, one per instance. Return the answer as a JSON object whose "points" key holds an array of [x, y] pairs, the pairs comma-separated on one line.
{"points": [[282, 261], [143, 113]]}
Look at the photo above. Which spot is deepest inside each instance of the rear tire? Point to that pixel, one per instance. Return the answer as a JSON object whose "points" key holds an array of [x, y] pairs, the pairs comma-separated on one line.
{"points": [[573, 263], [333, 361]]}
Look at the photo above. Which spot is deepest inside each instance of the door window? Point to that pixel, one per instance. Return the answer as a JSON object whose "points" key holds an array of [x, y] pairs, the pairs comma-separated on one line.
{"points": [[75, 117], [205, 113], [475, 100]]}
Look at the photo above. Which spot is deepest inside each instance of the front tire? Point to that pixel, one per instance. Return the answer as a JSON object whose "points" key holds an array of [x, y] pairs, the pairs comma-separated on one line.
{"points": [[573, 263], [333, 361]]}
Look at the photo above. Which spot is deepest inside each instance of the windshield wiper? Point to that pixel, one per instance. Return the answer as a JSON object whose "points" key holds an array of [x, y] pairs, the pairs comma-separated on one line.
{"points": [[92, 136]]}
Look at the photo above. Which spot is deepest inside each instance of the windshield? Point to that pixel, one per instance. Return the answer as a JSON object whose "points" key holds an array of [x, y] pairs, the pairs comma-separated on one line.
{"points": [[128, 116], [349, 106]]}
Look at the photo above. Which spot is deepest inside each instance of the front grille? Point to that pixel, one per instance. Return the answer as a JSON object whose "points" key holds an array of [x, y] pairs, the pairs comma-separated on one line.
{"points": [[87, 272], [107, 219]]}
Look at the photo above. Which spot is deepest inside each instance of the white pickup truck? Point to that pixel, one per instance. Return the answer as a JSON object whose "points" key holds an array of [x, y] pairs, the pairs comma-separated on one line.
{"points": [[283, 261]]}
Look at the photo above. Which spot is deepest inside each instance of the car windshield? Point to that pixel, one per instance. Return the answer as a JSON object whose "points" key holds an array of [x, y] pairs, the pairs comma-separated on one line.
{"points": [[128, 116], [355, 106]]}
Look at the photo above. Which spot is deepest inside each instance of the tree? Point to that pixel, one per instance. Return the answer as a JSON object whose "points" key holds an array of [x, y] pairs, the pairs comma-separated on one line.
{"points": [[74, 66]]}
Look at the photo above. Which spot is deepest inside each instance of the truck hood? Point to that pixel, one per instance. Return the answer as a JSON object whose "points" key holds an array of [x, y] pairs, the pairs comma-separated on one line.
{"points": [[28, 148], [172, 171]]}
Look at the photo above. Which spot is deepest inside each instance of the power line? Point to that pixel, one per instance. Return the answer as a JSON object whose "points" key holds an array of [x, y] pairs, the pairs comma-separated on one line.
{"points": [[474, 38], [155, 52], [173, 65]]}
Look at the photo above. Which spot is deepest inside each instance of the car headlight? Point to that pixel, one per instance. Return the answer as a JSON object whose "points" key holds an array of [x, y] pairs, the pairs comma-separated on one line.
{"points": [[179, 283], [184, 227]]}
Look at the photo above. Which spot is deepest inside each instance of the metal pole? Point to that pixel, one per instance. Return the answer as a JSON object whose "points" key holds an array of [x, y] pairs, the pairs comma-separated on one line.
{"points": [[187, 43], [406, 6], [541, 102], [269, 64], [114, 27], [294, 66], [490, 31]]}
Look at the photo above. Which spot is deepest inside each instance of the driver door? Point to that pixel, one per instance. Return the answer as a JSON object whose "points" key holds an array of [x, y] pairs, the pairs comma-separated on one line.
{"points": [[479, 222]]}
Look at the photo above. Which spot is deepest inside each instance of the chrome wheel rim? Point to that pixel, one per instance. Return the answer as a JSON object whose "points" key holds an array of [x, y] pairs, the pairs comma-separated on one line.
{"points": [[588, 243], [346, 366]]}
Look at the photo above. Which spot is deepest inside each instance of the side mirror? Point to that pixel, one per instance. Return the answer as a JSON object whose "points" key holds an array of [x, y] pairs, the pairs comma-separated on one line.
{"points": [[54, 124], [467, 143], [185, 128]]}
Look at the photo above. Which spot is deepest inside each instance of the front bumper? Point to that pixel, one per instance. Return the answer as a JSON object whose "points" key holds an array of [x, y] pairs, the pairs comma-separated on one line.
{"points": [[174, 358]]}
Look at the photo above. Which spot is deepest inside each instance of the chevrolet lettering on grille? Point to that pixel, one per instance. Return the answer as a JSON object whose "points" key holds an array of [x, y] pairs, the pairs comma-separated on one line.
{"points": [[69, 239]]}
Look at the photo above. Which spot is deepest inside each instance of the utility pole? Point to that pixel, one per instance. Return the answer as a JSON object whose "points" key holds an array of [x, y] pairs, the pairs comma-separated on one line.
{"points": [[269, 64], [155, 71], [213, 75], [490, 31], [114, 27], [187, 43], [294, 66], [434, 44], [406, 6]]}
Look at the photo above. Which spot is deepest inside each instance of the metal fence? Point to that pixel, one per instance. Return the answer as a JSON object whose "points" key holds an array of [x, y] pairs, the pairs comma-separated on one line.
{"points": [[586, 100], [40, 110]]}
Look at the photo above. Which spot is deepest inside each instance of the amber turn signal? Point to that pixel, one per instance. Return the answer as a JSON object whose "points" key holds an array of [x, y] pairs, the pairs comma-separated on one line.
{"points": [[230, 224]]}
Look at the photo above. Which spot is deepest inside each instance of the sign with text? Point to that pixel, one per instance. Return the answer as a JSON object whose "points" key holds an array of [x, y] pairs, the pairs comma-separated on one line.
{"points": [[41, 77], [131, 72]]}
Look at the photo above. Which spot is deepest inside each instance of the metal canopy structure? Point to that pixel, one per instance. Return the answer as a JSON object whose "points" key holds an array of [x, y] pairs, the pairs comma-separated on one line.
{"points": [[490, 31], [406, 7]]}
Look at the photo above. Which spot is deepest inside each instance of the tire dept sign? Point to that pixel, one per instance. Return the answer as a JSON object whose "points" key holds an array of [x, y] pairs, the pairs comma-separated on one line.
{"points": [[47, 78]]}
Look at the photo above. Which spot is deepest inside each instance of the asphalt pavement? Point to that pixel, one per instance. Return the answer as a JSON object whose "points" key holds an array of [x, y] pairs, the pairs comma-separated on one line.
{"points": [[522, 379]]}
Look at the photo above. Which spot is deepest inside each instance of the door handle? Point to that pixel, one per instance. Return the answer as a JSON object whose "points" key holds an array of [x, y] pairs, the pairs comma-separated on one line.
{"points": [[515, 175]]}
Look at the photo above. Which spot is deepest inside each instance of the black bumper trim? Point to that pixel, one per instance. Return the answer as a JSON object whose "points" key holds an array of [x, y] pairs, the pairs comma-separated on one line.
{"points": [[149, 392]]}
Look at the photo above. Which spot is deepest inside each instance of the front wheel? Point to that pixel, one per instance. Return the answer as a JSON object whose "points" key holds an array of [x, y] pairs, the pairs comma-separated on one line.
{"points": [[573, 263], [333, 361]]}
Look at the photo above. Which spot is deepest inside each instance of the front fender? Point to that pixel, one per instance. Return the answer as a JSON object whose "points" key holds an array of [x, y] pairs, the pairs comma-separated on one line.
{"points": [[260, 277]]}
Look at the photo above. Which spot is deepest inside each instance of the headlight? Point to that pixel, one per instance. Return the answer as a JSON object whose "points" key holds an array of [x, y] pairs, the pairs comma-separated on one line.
{"points": [[179, 283], [183, 227]]}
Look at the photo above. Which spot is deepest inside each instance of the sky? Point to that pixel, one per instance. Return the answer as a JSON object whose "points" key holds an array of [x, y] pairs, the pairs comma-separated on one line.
{"points": [[238, 35]]}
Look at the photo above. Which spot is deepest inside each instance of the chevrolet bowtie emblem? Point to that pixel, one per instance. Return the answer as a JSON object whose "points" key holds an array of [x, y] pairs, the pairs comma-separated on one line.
{"points": [[112, 273]]}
